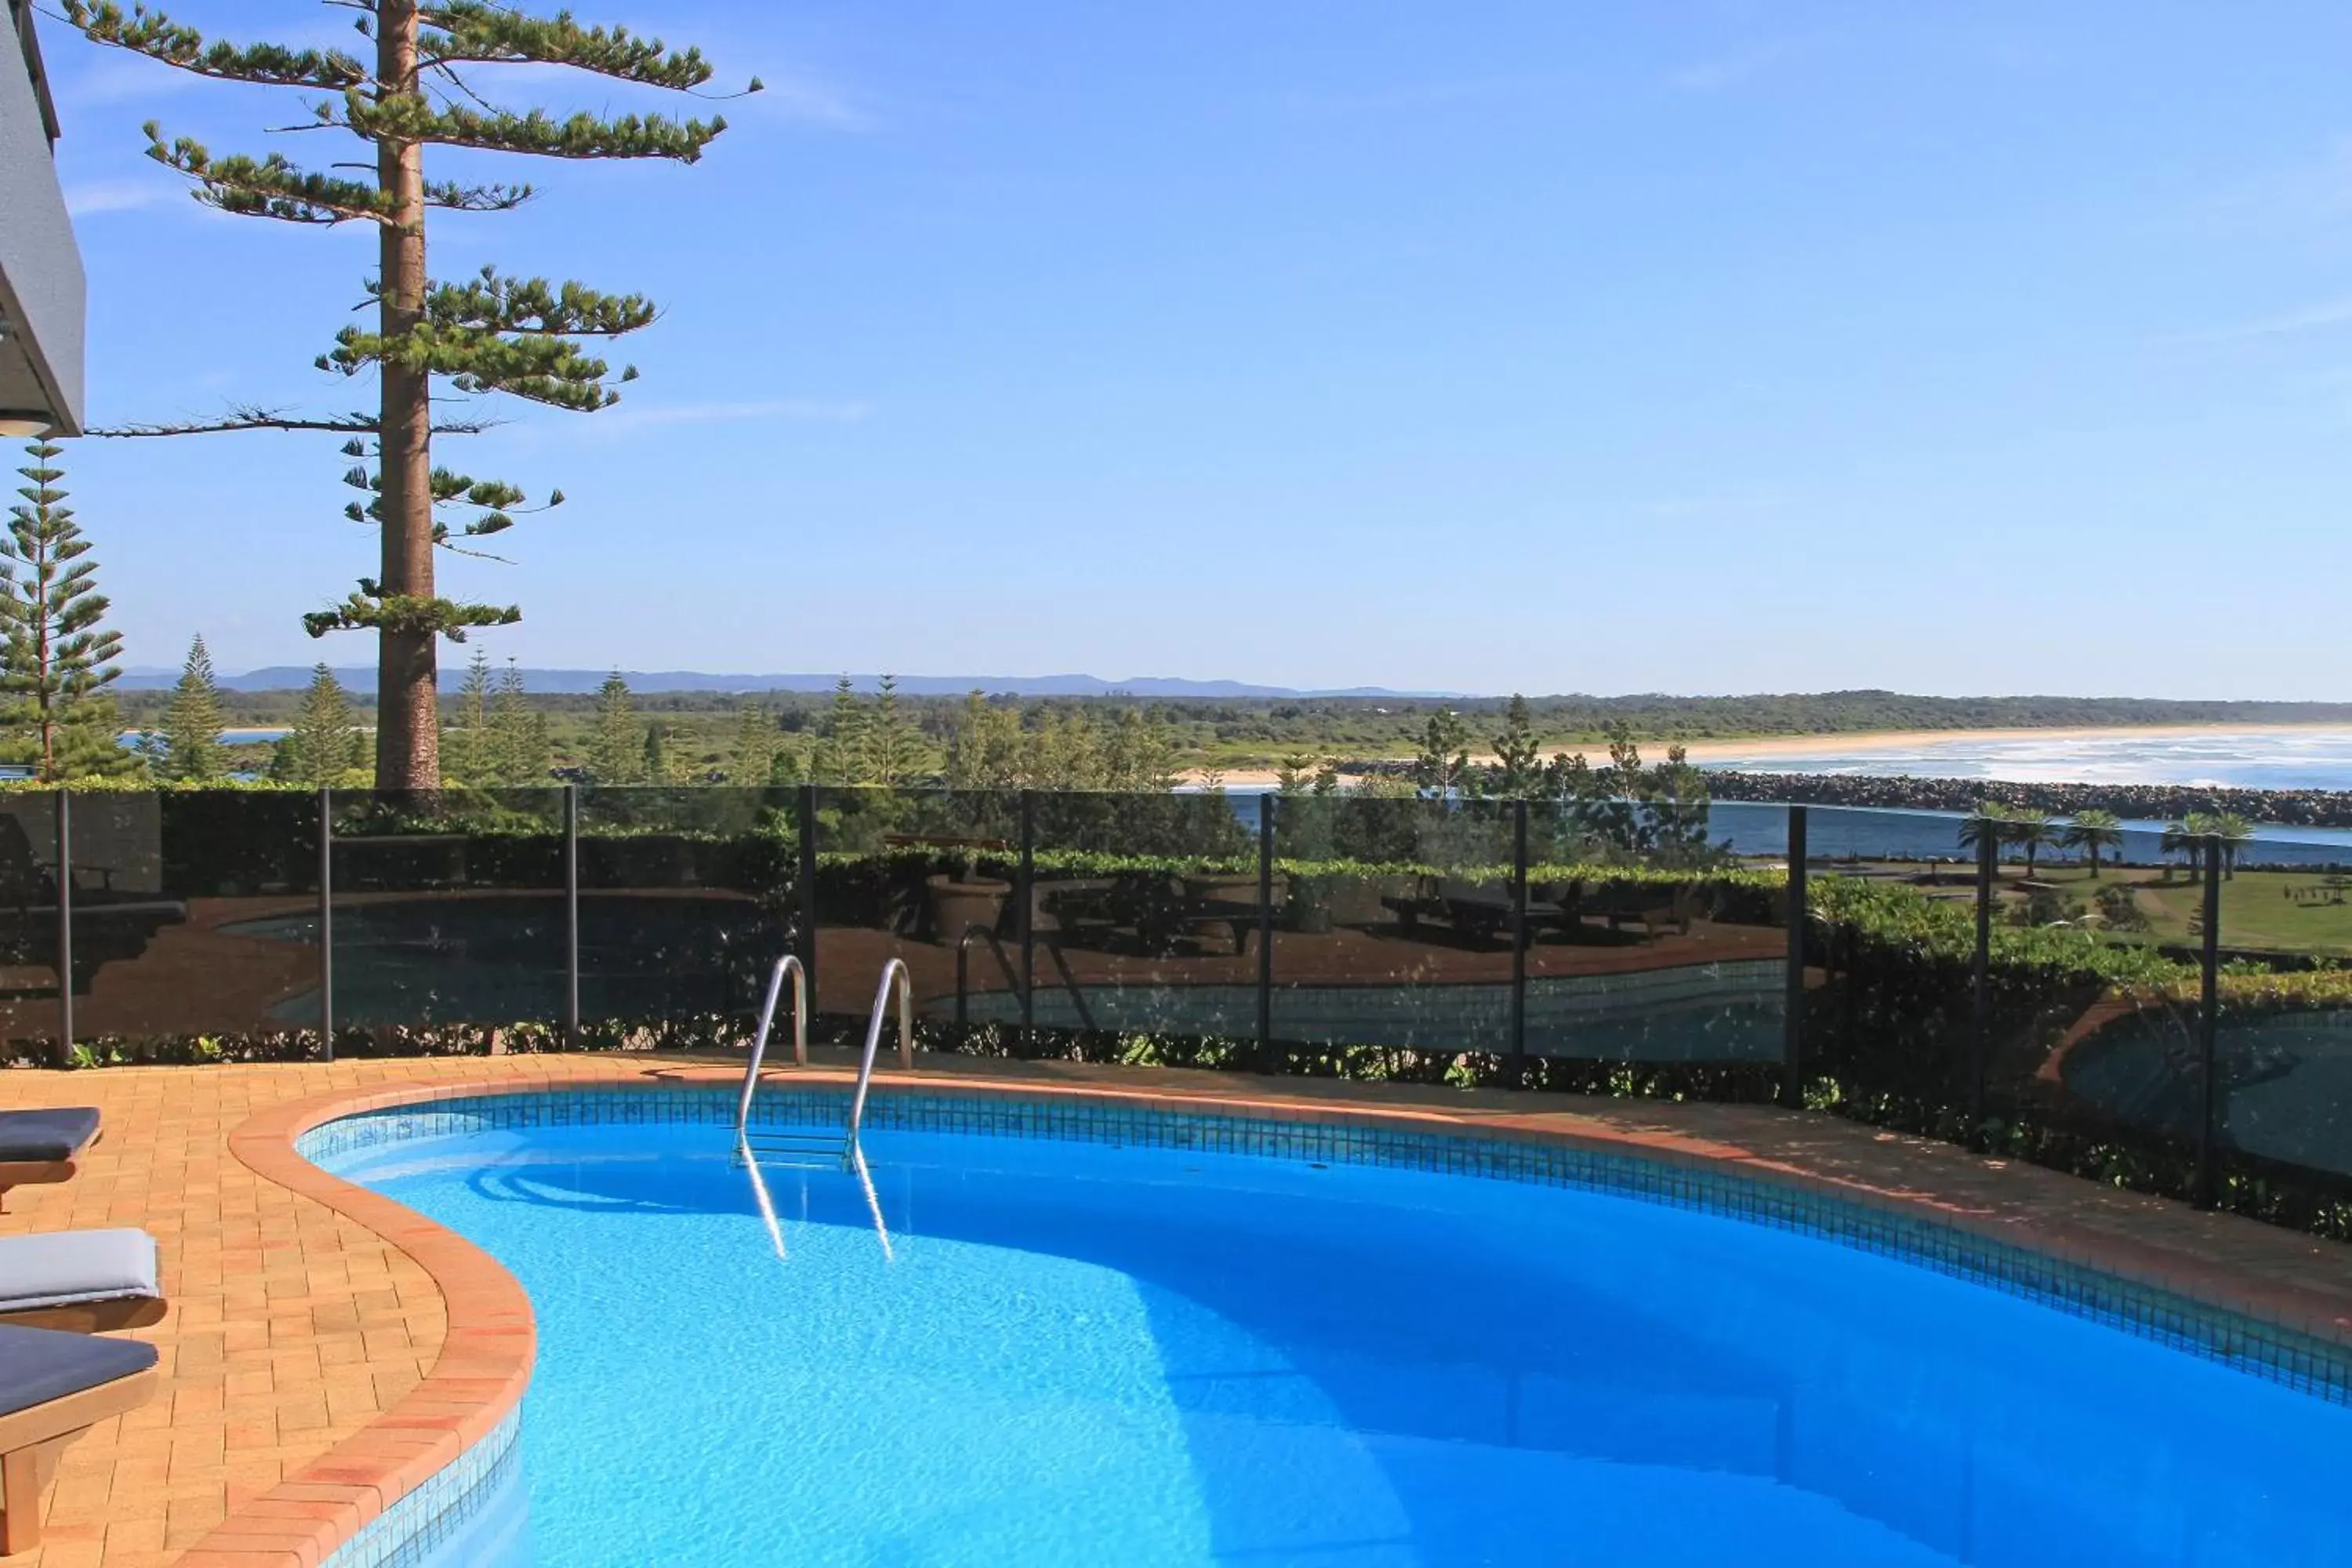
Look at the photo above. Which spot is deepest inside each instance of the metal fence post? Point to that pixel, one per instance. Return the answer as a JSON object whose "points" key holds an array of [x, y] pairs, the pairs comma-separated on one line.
{"points": [[327, 923], [807, 943], [1267, 804], [1025, 891], [571, 917], [1793, 1038], [2208, 1026], [65, 930], [1518, 943], [1980, 1041]]}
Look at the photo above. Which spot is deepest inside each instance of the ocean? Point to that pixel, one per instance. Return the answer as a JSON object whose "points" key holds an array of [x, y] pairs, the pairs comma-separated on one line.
{"points": [[2238, 759]]}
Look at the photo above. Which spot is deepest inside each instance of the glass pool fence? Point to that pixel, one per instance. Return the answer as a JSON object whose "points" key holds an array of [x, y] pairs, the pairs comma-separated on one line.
{"points": [[2163, 1004]]}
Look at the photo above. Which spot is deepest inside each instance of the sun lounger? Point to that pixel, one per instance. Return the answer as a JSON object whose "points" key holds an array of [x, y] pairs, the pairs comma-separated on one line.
{"points": [[38, 1146], [53, 1388], [92, 1281]]}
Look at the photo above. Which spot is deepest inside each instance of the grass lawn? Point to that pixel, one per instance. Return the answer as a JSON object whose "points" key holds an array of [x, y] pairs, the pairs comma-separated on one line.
{"points": [[2256, 911]]}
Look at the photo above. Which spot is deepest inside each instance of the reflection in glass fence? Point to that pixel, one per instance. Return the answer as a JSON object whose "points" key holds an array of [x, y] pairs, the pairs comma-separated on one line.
{"points": [[2166, 1004]]}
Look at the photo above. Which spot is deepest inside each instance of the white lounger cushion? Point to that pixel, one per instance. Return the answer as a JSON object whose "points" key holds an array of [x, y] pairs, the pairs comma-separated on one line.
{"points": [[74, 1268]]}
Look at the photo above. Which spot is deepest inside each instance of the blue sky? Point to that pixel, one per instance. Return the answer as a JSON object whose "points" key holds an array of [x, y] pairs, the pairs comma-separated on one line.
{"points": [[1687, 346]]}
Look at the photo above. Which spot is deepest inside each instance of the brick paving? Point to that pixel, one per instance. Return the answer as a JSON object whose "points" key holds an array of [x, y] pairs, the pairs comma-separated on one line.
{"points": [[312, 1371]]}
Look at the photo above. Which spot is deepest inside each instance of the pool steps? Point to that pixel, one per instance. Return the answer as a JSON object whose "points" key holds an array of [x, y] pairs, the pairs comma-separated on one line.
{"points": [[804, 1147]]}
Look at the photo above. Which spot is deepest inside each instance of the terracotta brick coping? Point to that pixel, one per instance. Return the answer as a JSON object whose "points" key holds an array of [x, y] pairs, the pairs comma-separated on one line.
{"points": [[484, 1365], [479, 1374]]}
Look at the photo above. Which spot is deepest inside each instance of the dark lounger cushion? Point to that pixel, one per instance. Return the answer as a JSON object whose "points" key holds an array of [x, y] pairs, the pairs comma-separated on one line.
{"points": [[38, 1365], [46, 1137], [74, 1267]]}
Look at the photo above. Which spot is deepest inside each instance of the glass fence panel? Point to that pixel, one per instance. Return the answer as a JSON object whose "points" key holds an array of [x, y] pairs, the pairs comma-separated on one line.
{"points": [[193, 913], [2092, 995], [1891, 942], [2283, 1043], [1394, 924], [1656, 926], [925, 877], [449, 908], [687, 897], [29, 956], [1145, 910]]}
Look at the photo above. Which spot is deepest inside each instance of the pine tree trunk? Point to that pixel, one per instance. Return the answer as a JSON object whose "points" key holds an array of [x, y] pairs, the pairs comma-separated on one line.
{"points": [[408, 729]]}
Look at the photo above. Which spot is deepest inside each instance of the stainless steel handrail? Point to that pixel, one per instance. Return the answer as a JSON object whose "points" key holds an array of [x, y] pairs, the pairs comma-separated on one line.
{"points": [[963, 968], [894, 970], [788, 964]]}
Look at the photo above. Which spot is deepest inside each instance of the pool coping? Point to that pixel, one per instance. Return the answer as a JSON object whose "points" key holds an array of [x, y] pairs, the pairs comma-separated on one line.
{"points": [[479, 1374], [482, 1370]]}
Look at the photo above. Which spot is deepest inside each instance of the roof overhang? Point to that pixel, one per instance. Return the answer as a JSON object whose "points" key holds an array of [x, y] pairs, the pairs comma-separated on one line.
{"points": [[42, 290]]}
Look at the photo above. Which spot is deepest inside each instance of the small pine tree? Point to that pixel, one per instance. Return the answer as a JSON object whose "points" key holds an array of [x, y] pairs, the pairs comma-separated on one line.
{"points": [[466, 751], [895, 752], [1443, 765], [751, 758], [325, 747], [615, 747], [841, 751], [55, 666], [190, 744], [1519, 755], [655, 767], [521, 752]]}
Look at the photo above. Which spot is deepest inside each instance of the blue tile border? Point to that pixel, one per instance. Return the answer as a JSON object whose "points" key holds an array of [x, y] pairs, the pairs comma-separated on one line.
{"points": [[2297, 1361], [409, 1532]]}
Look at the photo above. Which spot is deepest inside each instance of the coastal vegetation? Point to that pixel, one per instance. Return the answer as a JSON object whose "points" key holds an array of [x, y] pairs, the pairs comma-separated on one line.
{"points": [[704, 731]]}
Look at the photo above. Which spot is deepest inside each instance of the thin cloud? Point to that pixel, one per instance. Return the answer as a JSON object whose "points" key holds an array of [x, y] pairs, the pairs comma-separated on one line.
{"points": [[787, 409], [89, 198], [115, 77], [1715, 76], [2316, 194], [2318, 318]]}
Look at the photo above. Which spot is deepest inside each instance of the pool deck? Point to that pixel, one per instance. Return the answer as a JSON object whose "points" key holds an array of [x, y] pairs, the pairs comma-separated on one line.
{"points": [[326, 1349]]}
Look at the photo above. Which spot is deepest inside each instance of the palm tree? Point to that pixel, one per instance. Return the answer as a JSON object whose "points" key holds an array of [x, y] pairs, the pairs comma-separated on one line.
{"points": [[1988, 824], [2092, 831], [2234, 832], [2182, 839], [2030, 831]]}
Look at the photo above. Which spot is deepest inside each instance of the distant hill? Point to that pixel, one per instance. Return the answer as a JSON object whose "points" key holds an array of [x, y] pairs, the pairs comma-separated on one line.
{"points": [[290, 677]]}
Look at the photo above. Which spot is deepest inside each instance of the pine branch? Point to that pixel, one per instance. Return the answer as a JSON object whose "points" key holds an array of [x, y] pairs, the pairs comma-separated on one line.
{"points": [[533, 307], [156, 36], [466, 32], [250, 417], [371, 609], [549, 370], [269, 188], [498, 502], [454, 198], [409, 118]]}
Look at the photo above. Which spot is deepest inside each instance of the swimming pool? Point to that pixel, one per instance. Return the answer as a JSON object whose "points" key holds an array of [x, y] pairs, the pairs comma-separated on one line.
{"points": [[1090, 1336]]}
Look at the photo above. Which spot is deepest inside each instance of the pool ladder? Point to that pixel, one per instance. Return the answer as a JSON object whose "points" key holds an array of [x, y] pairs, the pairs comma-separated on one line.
{"points": [[806, 1145]]}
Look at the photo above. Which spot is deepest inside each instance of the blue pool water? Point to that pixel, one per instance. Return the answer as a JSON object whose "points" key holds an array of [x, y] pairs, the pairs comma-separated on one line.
{"points": [[1057, 1352]]}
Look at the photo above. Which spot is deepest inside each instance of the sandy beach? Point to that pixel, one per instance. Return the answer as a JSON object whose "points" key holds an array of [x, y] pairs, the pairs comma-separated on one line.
{"points": [[1898, 741]]}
